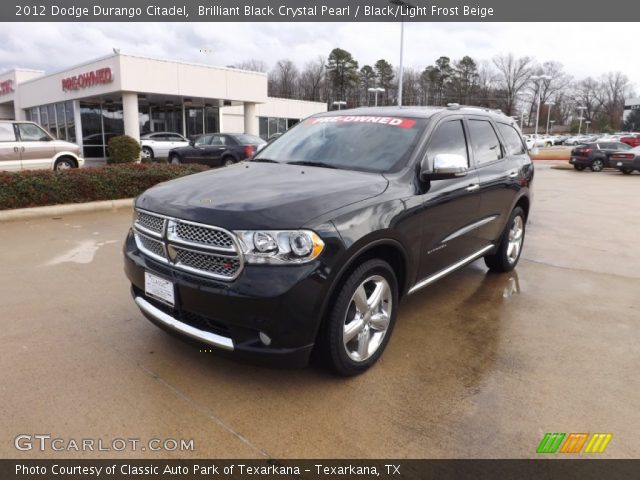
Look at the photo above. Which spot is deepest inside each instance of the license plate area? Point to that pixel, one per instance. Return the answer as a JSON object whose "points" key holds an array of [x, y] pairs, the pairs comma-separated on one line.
{"points": [[160, 289]]}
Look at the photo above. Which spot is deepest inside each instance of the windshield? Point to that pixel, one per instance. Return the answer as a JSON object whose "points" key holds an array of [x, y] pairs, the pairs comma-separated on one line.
{"points": [[350, 142]]}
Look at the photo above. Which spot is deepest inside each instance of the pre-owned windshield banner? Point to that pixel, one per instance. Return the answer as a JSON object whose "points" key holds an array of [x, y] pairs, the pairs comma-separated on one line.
{"points": [[321, 11]]}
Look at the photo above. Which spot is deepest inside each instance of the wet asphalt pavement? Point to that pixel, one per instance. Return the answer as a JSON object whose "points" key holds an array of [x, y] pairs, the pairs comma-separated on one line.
{"points": [[479, 365]]}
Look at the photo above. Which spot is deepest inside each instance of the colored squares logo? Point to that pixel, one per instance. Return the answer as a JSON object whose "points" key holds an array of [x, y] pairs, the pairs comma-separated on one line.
{"points": [[574, 443]]}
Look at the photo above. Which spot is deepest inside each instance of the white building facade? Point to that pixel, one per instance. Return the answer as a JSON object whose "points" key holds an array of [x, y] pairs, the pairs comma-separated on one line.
{"points": [[89, 103]]}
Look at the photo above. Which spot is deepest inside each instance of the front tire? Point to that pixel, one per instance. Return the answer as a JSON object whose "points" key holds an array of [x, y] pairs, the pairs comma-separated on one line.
{"points": [[627, 171], [510, 248], [362, 318], [64, 163], [579, 168], [597, 165], [175, 160]]}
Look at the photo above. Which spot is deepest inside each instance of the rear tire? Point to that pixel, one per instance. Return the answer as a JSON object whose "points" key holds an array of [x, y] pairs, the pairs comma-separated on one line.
{"points": [[361, 318], [579, 168], [509, 250], [597, 165], [227, 162]]}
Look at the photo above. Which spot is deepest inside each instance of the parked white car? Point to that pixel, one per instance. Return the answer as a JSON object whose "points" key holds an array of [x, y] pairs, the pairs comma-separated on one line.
{"points": [[540, 141], [158, 144]]}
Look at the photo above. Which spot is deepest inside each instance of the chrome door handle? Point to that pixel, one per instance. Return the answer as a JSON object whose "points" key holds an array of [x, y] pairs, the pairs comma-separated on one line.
{"points": [[473, 188], [16, 149], [23, 149], [513, 174]]}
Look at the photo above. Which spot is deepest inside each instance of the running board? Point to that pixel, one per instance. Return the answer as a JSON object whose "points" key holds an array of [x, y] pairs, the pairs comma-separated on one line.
{"points": [[437, 276]]}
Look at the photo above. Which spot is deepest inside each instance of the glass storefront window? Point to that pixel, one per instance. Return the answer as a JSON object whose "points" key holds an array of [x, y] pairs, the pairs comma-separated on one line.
{"points": [[195, 121], [44, 117], [71, 121], [51, 126], [91, 118], [271, 125], [62, 123], [211, 120]]}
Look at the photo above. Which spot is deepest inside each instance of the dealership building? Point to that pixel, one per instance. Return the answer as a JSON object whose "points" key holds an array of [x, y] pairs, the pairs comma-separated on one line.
{"points": [[120, 93]]}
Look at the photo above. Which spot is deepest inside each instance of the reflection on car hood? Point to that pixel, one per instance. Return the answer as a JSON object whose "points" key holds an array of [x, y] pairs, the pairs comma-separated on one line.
{"points": [[261, 195]]}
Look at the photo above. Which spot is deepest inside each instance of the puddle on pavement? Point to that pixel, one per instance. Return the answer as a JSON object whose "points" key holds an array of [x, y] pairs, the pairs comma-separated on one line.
{"points": [[83, 252]]}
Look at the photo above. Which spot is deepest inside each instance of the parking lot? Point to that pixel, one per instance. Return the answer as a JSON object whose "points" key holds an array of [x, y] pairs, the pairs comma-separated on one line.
{"points": [[480, 365]]}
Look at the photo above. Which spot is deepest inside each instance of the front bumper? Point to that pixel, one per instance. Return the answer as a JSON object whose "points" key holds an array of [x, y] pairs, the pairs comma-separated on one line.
{"points": [[282, 302]]}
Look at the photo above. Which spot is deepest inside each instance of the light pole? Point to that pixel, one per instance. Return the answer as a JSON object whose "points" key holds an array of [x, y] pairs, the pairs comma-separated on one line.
{"points": [[549, 105], [552, 123], [376, 90], [339, 103], [537, 79], [521, 94], [582, 109], [587, 122], [401, 3]]}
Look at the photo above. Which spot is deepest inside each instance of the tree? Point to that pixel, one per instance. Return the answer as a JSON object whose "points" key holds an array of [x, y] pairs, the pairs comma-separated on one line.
{"points": [[343, 72], [367, 80], [311, 79], [615, 87], [283, 79], [384, 72], [252, 65], [632, 122], [513, 75], [465, 79]]}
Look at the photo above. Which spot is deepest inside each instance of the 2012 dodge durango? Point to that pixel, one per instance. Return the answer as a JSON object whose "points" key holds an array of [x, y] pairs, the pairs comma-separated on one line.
{"points": [[312, 245]]}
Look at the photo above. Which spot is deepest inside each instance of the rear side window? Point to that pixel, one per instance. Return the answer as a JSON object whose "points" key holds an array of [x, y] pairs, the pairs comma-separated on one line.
{"points": [[7, 133], [449, 137], [204, 140], [512, 139], [484, 141]]}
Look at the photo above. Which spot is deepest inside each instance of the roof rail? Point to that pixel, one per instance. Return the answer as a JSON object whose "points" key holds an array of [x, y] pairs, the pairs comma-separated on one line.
{"points": [[457, 106]]}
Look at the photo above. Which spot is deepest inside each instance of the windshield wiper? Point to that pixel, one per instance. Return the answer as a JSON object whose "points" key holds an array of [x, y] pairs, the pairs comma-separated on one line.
{"points": [[312, 164], [264, 160]]}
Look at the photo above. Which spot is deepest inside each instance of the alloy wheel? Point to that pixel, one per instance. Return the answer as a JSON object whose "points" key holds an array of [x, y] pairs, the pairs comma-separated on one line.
{"points": [[516, 236], [368, 318]]}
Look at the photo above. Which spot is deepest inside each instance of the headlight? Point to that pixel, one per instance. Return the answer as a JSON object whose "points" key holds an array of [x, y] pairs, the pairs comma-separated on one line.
{"points": [[280, 246]]}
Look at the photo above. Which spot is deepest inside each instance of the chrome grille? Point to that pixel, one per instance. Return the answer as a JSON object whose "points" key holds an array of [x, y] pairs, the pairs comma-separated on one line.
{"points": [[215, 252], [202, 235], [150, 246], [207, 262], [150, 222]]}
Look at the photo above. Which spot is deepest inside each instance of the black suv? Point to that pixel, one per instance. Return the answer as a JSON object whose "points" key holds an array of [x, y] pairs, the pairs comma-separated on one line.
{"points": [[312, 244], [595, 155]]}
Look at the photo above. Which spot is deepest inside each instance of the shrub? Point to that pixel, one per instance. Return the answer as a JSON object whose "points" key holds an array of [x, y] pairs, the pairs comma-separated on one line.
{"points": [[43, 187], [123, 149]]}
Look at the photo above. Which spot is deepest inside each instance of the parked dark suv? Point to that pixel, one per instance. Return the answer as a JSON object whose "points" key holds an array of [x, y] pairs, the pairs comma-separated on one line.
{"points": [[316, 240], [595, 155]]}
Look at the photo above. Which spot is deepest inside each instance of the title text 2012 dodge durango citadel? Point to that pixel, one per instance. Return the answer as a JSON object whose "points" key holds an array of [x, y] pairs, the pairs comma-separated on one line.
{"points": [[314, 242]]}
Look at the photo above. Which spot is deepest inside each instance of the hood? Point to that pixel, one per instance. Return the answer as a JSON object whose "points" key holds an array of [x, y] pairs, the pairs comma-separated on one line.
{"points": [[62, 146], [252, 195]]}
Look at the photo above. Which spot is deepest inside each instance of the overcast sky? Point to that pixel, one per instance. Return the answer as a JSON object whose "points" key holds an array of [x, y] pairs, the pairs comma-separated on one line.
{"points": [[584, 49]]}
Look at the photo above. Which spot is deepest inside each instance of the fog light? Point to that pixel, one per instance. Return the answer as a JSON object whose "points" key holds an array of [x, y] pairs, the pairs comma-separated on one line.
{"points": [[264, 338]]}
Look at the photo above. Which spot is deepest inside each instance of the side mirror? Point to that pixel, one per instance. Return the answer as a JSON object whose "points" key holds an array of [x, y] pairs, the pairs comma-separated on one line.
{"points": [[192, 143], [445, 165]]}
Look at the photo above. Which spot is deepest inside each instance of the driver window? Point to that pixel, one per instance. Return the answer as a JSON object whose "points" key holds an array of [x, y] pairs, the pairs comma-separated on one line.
{"points": [[203, 140], [449, 137], [32, 133]]}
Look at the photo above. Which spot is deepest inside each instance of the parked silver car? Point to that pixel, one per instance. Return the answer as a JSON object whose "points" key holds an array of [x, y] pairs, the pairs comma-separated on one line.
{"points": [[158, 144], [26, 145]]}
